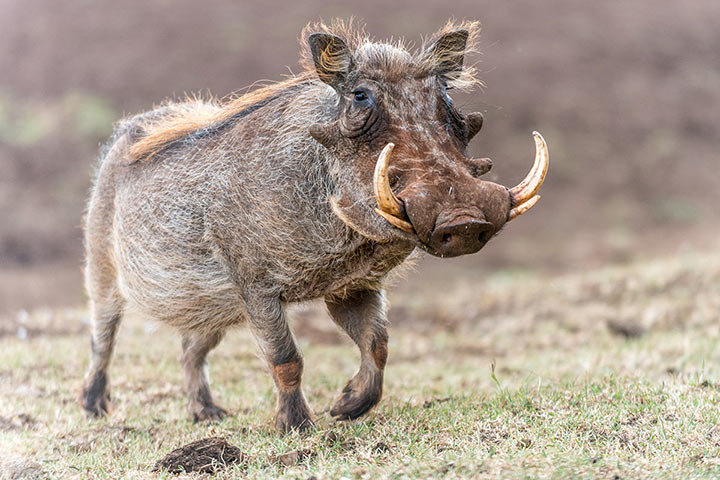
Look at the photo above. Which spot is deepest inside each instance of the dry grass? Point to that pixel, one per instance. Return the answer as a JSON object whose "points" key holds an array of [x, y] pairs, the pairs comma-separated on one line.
{"points": [[608, 373]]}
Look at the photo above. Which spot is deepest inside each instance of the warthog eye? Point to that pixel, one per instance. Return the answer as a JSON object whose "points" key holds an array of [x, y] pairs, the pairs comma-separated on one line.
{"points": [[360, 118], [362, 97]]}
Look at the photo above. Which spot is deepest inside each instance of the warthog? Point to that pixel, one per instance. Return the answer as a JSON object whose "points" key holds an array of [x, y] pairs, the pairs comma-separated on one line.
{"points": [[206, 214]]}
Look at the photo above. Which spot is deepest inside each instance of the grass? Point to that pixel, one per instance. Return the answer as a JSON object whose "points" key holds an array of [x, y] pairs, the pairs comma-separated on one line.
{"points": [[608, 374]]}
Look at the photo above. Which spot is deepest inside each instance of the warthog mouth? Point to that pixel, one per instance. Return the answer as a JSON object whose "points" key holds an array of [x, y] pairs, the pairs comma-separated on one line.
{"points": [[523, 196]]}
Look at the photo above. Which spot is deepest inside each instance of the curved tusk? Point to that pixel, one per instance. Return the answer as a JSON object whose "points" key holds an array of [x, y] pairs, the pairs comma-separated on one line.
{"points": [[386, 199], [517, 211], [392, 219], [525, 191]]}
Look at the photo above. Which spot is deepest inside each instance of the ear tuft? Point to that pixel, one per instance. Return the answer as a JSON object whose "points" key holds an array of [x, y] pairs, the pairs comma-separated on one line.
{"points": [[331, 56], [447, 54], [444, 54]]}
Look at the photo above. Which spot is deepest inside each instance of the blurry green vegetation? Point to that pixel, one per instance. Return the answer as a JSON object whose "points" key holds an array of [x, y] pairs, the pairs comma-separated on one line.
{"points": [[27, 122], [677, 210], [92, 115]]}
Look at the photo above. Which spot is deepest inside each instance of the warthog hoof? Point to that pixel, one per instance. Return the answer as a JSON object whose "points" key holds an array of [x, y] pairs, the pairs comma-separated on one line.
{"points": [[95, 406], [300, 422], [293, 413], [95, 397], [208, 413], [359, 395]]}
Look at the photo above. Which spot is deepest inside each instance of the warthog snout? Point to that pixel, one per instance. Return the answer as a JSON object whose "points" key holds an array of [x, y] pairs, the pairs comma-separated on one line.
{"points": [[446, 207], [461, 236]]}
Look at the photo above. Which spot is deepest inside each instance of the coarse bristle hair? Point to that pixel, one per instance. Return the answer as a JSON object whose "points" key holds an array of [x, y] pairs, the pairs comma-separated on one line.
{"points": [[392, 59], [195, 114]]}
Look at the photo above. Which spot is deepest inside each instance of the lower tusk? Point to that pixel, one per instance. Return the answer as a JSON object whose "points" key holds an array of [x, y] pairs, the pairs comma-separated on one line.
{"points": [[520, 209], [401, 224]]}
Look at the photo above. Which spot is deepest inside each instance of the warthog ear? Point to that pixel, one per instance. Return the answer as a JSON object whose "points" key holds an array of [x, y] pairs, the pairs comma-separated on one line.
{"points": [[332, 58], [447, 53]]}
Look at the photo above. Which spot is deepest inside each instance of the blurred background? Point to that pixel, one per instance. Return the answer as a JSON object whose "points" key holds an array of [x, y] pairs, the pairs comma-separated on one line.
{"points": [[626, 92]]}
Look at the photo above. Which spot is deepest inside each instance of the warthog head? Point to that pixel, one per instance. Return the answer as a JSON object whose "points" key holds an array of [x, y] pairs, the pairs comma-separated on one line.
{"points": [[398, 133]]}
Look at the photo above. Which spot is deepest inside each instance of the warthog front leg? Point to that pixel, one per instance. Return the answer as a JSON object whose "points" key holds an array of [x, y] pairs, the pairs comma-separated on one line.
{"points": [[196, 346], [285, 361], [363, 316]]}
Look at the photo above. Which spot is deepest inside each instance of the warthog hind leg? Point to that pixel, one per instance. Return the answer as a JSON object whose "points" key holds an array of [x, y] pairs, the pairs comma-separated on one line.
{"points": [[106, 315], [196, 346], [363, 316]]}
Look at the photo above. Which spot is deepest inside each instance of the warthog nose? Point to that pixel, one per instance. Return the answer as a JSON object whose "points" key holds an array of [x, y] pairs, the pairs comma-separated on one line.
{"points": [[461, 236]]}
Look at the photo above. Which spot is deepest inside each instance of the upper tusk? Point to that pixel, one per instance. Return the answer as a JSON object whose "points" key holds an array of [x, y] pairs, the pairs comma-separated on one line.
{"points": [[386, 199], [526, 190], [517, 211]]}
